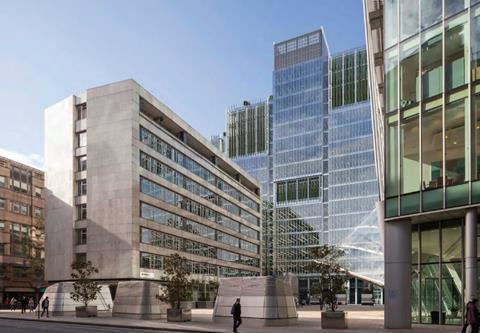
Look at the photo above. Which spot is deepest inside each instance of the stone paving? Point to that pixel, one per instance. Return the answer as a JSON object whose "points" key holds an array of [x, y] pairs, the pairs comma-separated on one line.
{"points": [[360, 320]]}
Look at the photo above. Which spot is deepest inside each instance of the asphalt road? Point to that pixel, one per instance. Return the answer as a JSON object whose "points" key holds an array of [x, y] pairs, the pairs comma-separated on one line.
{"points": [[21, 326]]}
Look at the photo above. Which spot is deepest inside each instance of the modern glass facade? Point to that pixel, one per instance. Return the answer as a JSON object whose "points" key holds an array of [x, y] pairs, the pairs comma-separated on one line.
{"points": [[317, 177], [249, 144], [300, 150], [431, 111], [430, 115]]}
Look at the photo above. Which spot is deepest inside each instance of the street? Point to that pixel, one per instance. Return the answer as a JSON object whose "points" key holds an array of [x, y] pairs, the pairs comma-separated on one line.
{"points": [[22, 326]]}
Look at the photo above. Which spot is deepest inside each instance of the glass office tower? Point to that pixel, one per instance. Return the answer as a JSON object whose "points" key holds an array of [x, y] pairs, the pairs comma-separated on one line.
{"points": [[431, 117], [248, 141], [352, 185], [300, 151]]}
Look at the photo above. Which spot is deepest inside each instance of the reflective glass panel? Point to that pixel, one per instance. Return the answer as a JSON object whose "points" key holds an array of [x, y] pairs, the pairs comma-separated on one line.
{"points": [[452, 293], [408, 18], [430, 246], [391, 80], [476, 133], [432, 148], [391, 156], [391, 32], [409, 73], [432, 62], [409, 150], [456, 136], [431, 12], [430, 286], [454, 6], [475, 40], [456, 52]]}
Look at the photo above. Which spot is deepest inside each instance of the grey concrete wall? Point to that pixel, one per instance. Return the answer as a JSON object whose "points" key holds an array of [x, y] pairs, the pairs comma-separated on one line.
{"points": [[62, 304], [59, 183], [265, 301], [110, 231], [398, 267]]}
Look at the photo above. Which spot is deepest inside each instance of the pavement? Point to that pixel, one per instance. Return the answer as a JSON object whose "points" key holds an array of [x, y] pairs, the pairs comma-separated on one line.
{"points": [[361, 319]]}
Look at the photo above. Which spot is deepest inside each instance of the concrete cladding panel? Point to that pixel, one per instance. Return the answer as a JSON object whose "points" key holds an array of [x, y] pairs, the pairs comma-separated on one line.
{"points": [[59, 206], [111, 110], [266, 300], [138, 299], [62, 304]]}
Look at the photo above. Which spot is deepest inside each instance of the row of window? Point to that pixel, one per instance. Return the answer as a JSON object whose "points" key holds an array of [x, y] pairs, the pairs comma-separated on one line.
{"points": [[162, 217], [154, 190], [21, 208], [18, 185], [298, 189], [153, 165], [154, 261], [167, 241], [168, 151]]}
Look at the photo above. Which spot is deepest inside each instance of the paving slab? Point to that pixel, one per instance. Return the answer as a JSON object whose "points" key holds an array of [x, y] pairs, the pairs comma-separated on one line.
{"points": [[360, 320]]}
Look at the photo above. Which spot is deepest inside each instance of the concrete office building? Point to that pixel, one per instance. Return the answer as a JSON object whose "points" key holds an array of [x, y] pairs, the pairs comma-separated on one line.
{"points": [[144, 186], [21, 231], [315, 165], [424, 64]]}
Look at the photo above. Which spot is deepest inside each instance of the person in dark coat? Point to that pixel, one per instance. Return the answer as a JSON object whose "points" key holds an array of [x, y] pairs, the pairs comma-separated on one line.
{"points": [[471, 316], [23, 303], [45, 305], [237, 314]]}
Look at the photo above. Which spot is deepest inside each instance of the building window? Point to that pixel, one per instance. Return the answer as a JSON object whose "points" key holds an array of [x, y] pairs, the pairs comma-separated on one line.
{"points": [[409, 152], [37, 212], [2, 249], [82, 212], [20, 180], [81, 236], [391, 29], [38, 192], [456, 136], [82, 163], [2, 225], [2, 203], [431, 12], [82, 139], [19, 272], [20, 240], [82, 111], [432, 148], [19, 208], [391, 80], [81, 258], [409, 74], [281, 194], [408, 18], [475, 53], [431, 62], [3, 181], [82, 187], [456, 52]]}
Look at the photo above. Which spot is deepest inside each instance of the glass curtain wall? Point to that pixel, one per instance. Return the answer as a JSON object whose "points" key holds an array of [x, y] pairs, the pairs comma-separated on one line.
{"points": [[431, 105], [437, 273]]}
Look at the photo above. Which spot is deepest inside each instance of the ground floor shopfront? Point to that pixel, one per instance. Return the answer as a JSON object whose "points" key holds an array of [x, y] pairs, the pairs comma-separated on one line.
{"points": [[430, 268]]}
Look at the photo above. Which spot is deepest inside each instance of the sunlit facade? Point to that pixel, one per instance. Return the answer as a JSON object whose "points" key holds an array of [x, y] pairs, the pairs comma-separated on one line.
{"points": [[431, 115]]}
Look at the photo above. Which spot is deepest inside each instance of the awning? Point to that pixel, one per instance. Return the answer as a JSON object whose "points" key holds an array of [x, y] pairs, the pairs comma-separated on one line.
{"points": [[19, 290]]}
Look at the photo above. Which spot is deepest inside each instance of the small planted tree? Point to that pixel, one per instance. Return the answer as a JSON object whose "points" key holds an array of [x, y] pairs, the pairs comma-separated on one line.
{"points": [[178, 287], [332, 275], [85, 289]]}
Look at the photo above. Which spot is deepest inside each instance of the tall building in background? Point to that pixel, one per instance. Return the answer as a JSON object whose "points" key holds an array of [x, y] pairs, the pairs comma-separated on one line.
{"points": [[352, 184], [317, 173], [425, 60], [22, 197], [249, 143], [130, 183]]}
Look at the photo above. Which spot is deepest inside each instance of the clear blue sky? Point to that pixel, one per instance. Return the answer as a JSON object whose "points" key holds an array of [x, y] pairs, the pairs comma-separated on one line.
{"points": [[199, 56]]}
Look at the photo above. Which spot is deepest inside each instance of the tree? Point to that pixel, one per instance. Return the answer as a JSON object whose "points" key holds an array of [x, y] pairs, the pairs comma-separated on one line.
{"points": [[84, 288], [178, 287], [332, 275]]}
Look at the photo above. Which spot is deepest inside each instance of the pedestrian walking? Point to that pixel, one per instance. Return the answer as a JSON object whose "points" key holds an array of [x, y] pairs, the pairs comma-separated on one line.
{"points": [[237, 314], [471, 316], [320, 301], [23, 304], [13, 304], [31, 304], [45, 304]]}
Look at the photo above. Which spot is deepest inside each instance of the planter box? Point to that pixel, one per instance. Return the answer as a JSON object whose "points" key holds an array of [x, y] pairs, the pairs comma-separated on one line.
{"points": [[179, 315], [88, 311], [335, 320]]}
